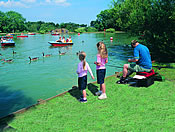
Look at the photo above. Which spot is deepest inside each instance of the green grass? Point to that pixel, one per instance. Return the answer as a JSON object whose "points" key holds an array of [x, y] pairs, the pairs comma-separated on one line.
{"points": [[126, 109]]}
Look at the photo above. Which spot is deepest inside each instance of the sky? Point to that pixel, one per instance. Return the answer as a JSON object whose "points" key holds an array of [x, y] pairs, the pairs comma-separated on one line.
{"points": [[57, 11]]}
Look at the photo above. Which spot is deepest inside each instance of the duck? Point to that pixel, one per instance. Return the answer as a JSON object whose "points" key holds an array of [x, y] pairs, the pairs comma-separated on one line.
{"points": [[10, 60], [46, 55], [62, 53], [78, 53], [33, 59], [14, 52]]}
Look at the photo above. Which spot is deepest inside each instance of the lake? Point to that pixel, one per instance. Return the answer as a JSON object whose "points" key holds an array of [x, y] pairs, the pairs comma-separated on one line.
{"points": [[23, 83]]}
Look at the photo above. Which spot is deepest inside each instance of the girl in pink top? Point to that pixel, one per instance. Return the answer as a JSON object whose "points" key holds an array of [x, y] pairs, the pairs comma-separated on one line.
{"points": [[82, 69], [102, 59]]}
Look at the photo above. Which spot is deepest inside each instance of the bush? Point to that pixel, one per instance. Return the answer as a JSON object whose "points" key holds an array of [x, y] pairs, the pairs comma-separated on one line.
{"points": [[91, 29], [111, 30], [80, 30]]}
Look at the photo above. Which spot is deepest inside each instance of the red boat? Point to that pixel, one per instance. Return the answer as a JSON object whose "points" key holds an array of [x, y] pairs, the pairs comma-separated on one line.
{"points": [[6, 42], [22, 36], [31, 33], [54, 43], [7, 37]]}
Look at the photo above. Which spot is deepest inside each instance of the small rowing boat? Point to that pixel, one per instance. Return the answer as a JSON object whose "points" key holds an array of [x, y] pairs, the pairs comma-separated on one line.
{"points": [[54, 43], [6, 42]]}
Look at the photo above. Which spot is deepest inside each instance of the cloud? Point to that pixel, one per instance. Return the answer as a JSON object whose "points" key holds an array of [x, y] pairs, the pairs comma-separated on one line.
{"points": [[58, 2], [12, 3], [30, 3]]}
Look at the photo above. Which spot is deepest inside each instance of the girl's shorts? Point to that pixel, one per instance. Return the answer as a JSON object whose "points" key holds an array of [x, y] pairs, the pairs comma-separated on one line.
{"points": [[101, 75], [82, 82]]}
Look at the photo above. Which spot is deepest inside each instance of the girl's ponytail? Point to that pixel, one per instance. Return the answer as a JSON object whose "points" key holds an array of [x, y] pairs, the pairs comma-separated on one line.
{"points": [[84, 64], [82, 56]]}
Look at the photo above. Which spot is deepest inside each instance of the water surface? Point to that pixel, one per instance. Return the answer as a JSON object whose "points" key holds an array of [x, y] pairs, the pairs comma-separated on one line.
{"points": [[23, 83]]}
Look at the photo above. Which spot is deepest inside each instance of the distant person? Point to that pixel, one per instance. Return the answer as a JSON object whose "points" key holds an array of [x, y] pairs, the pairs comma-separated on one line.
{"points": [[142, 61], [82, 69], [70, 40], [102, 59], [63, 40], [59, 40]]}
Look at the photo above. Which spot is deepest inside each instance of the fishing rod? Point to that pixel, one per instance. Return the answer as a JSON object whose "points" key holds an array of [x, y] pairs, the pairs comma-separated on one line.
{"points": [[160, 67], [114, 66]]}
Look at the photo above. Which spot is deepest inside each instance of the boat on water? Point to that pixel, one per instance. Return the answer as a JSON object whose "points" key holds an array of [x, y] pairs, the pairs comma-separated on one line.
{"points": [[55, 34], [31, 33], [7, 42], [22, 36], [7, 37], [54, 43]]}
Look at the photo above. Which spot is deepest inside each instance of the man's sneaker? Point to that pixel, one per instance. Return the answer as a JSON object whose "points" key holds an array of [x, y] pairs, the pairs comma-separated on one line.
{"points": [[102, 96], [82, 100], [98, 93]]}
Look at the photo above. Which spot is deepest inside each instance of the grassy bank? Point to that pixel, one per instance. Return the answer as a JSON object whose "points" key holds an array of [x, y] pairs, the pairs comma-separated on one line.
{"points": [[126, 109]]}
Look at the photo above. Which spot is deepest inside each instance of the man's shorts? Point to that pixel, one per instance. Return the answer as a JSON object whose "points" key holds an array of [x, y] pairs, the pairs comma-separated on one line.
{"points": [[137, 68], [101, 75], [82, 82]]}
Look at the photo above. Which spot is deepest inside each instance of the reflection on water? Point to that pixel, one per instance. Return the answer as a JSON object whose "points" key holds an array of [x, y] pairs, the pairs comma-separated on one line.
{"points": [[22, 83]]}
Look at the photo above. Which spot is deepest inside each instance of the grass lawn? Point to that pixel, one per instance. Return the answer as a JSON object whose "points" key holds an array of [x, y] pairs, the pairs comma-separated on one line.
{"points": [[126, 109]]}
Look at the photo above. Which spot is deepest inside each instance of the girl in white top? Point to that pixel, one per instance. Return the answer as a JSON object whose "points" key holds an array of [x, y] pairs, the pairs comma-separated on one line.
{"points": [[82, 69]]}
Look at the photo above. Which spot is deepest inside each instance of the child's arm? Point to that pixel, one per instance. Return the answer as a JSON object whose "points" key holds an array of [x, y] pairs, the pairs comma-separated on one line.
{"points": [[90, 71], [78, 69], [106, 61], [98, 62]]}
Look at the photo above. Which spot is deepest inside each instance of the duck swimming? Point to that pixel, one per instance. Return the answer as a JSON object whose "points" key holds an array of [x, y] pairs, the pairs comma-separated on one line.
{"points": [[33, 59], [10, 60], [46, 55], [14, 52], [62, 53]]}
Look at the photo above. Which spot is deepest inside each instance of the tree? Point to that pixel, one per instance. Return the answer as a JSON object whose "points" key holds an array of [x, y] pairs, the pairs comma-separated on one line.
{"points": [[15, 21]]}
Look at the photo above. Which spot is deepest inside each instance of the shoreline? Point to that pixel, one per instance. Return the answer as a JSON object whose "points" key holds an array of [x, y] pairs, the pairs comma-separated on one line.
{"points": [[66, 33], [41, 101]]}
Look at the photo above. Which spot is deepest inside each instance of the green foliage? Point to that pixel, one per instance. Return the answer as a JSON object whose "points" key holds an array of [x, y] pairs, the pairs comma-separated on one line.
{"points": [[14, 22], [154, 20], [111, 30], [80, 30], [91, 29]]}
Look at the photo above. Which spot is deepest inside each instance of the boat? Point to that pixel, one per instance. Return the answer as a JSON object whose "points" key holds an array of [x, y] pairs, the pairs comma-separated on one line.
{"points": [[31, 33], [7, 37], [54, 43], [22, 36], [55, 34], [7, 42]]}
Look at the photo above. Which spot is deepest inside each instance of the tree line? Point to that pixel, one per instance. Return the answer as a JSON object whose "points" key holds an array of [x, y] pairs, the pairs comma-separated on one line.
{"points": [[152, 20], [14, 22]]}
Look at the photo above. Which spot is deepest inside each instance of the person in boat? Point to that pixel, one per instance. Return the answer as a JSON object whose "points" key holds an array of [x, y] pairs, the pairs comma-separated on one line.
{"points": [[63, 40], [70, 40], [59, 40], [142, 61]]}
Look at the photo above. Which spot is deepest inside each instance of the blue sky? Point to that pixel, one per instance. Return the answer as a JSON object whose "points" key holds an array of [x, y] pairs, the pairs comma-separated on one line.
{"points": [[57, 11]]}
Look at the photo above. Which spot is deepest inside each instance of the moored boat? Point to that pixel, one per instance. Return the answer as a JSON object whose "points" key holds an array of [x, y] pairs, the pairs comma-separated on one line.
{"points": [[54, 43], [6, 42], [31, 33], [55, 34], [22, 36]]}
